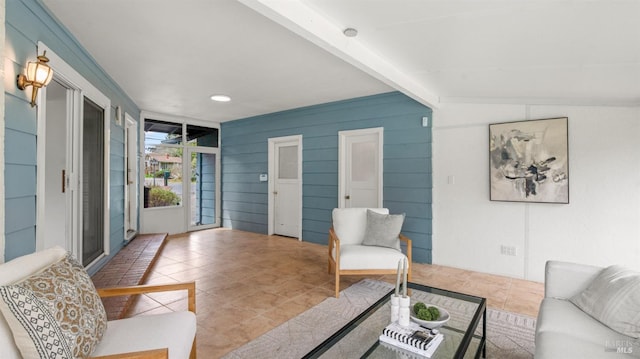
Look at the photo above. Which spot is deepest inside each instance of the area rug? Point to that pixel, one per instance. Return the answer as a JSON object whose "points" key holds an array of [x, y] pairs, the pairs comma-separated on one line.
{"points": [[509, 335]]}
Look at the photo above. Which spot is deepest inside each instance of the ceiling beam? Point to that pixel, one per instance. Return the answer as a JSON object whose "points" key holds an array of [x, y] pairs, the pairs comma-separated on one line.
{"points": [[307, 23]]}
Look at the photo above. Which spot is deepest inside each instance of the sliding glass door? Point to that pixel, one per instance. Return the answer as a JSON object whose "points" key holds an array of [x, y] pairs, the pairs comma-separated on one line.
{"points": [[92, 182], [73, 167]]}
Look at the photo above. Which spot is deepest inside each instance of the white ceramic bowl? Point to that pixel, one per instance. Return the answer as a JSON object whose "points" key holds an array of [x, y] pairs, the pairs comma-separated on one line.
{"points": [[432, 324]]}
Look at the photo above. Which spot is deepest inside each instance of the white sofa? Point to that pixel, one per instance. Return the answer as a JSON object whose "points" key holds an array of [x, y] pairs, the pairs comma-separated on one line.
{"points": [[565, 331], [169, 335]]}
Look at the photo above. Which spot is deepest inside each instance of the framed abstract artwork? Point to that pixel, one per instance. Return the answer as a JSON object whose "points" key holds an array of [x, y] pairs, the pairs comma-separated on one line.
{"points": [[529, 161]]}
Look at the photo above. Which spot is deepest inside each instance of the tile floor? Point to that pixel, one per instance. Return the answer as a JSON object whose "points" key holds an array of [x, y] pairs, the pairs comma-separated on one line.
{"points": [[249, 283]]}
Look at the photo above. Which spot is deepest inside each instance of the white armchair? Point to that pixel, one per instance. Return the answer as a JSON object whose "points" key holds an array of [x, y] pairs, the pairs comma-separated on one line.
{"points": [[351, 251], [169, 335]]}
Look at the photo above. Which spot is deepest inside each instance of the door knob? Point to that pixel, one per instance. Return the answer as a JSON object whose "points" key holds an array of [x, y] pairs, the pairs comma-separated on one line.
{"points": [[347, 197], [275, 192]]}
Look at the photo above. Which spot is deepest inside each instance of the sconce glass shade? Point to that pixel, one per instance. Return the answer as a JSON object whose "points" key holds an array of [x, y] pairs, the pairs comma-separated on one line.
{"points": [[39, 74]]}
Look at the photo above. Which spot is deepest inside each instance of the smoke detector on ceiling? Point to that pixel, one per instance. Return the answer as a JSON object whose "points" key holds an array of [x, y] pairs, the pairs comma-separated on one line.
{"points": [[350, 32]]}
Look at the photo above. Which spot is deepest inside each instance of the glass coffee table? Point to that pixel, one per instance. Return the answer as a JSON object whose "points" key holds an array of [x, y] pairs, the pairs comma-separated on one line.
{"points": [[464, 333]]}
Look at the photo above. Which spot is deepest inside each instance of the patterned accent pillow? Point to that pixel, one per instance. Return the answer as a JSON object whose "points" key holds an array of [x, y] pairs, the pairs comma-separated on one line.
{"points": [[55, 313]]}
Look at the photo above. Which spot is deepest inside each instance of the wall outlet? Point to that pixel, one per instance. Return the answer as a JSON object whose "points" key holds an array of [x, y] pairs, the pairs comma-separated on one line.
{"points": [[508, 250]]}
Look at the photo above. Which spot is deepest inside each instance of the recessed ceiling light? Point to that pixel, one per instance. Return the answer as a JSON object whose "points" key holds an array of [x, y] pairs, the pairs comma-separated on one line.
{"points": [[221, 98], [350, 32]]}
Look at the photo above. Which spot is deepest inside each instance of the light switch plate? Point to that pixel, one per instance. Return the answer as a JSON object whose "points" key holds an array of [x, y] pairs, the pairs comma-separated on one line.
{"points": [[425, 121]]}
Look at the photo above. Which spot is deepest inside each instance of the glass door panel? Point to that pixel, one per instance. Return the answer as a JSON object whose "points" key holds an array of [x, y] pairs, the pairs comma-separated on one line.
{"points": [[203, 189], [92, 182]]}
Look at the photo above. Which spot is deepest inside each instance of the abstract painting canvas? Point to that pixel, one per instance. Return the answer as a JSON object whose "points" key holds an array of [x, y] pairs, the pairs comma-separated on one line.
{"points": [[529, 161]]}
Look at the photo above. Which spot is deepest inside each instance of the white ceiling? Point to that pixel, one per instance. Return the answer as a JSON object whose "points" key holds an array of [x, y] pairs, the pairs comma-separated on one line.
{"points": [[271, 55]]}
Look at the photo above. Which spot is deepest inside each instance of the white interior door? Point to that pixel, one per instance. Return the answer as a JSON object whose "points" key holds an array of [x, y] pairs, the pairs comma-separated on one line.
{"points": [[360, 176], [131, 178], [286, 186]]}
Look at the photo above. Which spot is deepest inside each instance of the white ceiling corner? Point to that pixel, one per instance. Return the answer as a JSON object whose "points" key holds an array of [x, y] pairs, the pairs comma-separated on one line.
{"points": [[312, 26]]}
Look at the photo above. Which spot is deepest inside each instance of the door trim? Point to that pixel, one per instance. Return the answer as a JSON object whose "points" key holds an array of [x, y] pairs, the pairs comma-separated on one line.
{"points": [[131, 124], [82, 88], [271, 183], [342, 177], [186, 173]]}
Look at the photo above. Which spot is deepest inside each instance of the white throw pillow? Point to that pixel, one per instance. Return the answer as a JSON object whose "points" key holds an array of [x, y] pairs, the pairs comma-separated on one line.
{"points": [[613, 298]]}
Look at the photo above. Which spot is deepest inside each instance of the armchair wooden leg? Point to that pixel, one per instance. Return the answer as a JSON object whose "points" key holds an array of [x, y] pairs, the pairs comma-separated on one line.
{"points": [[337, 284]]}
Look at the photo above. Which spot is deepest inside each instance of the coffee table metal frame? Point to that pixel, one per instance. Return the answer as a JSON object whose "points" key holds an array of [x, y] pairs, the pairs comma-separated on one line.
{"points": [[481, 313]]}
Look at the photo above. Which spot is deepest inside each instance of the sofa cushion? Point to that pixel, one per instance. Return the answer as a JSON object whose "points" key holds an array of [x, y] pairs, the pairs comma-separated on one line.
{"points": [[369, 257], [20, 268], [383, 230], [565, 331], [613, 298], [562, 345], [175, 331], [56, 310], [351, 223]]}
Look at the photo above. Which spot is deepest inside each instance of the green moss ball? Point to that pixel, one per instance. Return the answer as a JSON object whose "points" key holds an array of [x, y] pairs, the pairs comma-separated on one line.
{"points": [[424, 314], [418, 306]]}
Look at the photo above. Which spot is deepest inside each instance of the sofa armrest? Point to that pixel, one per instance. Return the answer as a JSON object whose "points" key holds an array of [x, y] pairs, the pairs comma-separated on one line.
{"points": [[190, 287], [563, 280], [146, 354]]}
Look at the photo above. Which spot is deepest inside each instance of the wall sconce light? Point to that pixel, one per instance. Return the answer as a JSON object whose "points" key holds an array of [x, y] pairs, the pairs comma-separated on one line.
{"points": [[39, 74]]}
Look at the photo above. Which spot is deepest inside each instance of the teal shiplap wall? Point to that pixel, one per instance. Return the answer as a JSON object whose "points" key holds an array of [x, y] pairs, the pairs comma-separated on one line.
{"points": [[27, 22], [407, 164]]}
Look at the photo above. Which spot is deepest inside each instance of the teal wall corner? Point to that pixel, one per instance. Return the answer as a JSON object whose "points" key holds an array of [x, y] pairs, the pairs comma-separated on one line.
{"points": [[407, 164]]}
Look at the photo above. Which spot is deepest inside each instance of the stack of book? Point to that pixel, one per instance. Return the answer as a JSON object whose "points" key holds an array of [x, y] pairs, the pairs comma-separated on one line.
{"points": [[412, 338]]}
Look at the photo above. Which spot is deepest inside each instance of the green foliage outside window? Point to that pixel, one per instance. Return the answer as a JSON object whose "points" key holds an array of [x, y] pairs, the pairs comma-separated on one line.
{"points": [[160, 197]]}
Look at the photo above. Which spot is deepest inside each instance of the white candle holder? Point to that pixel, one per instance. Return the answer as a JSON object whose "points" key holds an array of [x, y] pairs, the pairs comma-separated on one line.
{"points": [[404, 311], [395, 308]]}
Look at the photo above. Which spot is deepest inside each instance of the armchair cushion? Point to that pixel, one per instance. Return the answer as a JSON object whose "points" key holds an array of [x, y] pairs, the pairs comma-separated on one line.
{"points": [[383, 230], [360, 257], [350, 223], [613, 298], [54, 310], [174, 330]]}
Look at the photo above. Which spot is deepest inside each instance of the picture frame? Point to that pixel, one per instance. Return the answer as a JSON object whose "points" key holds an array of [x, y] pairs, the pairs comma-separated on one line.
{"points": [[529, 161]]}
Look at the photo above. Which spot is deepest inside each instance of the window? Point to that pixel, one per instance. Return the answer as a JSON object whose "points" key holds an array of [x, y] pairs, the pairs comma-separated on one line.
{"points": [[163, 163], [202, 136], [167, 154]]}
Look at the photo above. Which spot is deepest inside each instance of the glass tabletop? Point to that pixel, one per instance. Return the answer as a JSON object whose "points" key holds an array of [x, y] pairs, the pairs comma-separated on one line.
{"points": [[464, 334]]}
